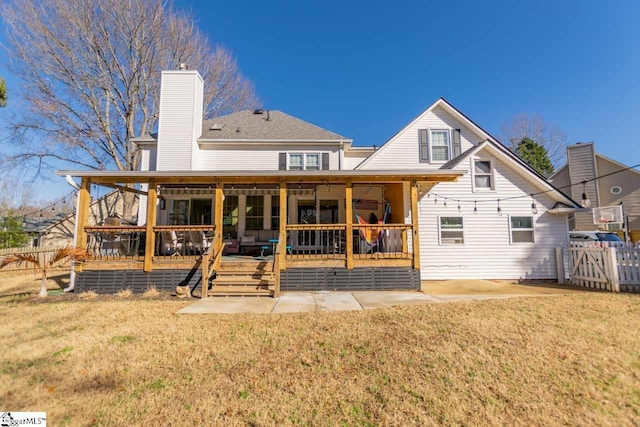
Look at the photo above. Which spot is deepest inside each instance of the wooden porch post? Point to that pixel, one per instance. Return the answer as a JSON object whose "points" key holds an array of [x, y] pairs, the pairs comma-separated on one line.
{"points": [[348, 201], [150, 243], [414, 222], [218, 221], [283, 226], [84, 200]]}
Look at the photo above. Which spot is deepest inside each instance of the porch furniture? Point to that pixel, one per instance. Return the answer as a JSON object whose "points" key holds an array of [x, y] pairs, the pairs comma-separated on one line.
{"points": [[255, 239], [231, 247], [170, 244]]}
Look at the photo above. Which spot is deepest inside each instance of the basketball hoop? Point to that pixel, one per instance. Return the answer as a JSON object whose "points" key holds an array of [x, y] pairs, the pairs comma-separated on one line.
{"points": [[608, 215]]}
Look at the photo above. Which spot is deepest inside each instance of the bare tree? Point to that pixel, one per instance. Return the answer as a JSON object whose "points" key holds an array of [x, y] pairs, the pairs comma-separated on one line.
{"points": [[92, 73], [549, 136]]}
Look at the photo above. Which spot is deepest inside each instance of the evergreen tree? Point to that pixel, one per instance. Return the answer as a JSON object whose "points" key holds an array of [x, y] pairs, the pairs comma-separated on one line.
{"points": [[11, 233], [535, 155], [3, 93]]}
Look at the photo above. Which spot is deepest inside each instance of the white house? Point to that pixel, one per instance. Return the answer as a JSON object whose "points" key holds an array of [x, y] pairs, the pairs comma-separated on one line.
{"points": [[442, 199]]}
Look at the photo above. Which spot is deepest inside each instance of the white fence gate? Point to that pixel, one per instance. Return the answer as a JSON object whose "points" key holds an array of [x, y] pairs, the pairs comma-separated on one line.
{"points": [[598, 265], [593, 267]]}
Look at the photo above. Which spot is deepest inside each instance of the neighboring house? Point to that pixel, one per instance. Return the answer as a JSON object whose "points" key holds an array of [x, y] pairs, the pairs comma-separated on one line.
{"points": [[584, 164], [260, 180], [58, 231]]}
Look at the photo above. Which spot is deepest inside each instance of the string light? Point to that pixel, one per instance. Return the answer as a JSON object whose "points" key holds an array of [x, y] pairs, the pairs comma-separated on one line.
{"points": [[585, 200], [475, 206], [583, 183], [534, 208], [458, 205], [499, 208]]}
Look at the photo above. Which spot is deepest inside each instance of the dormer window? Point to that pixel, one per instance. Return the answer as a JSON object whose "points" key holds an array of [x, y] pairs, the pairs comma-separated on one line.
{"points": [[436, 145], [440, 144], [304, 161]]}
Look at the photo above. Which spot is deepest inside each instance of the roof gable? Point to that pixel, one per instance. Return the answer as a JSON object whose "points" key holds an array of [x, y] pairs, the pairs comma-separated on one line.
{"points": [[270, 125], [489, 143]]}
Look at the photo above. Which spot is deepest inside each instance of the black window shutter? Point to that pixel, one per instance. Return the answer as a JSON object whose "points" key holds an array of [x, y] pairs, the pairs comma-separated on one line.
{"points": [[457, 148], [325, 161], [423, 136], [282, 161]]}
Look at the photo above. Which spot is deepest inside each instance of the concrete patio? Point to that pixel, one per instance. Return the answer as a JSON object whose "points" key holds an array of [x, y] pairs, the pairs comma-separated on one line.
{"points": [[298, 302]]}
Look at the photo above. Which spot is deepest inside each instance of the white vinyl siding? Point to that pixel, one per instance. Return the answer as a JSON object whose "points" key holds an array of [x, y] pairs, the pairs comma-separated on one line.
{"points": [[180, 119], [258, 156], [487, 252], [451, 230], [521, 229], [403, 150]]}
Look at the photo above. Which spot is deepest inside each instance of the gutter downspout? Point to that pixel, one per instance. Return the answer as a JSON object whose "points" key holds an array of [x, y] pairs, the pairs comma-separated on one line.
{"points": [[72, 275]]}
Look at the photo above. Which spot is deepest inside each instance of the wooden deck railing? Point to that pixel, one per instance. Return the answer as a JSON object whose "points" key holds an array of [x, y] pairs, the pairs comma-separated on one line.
{"points": [[317, 241], [109, 242], [328, 241], [115, 242], [386, 241], [182, 240]]}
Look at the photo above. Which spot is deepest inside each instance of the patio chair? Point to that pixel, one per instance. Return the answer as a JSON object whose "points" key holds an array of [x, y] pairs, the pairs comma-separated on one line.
{"points": [[170, 244]]}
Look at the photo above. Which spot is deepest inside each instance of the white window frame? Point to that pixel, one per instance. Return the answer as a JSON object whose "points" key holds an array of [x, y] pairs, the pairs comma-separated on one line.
{"points": [[440, 229], [304, 159], [449, 142], [532, 229], [492, 175]]}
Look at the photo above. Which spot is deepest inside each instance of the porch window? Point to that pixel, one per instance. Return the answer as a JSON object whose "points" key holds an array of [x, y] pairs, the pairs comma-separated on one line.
{"points": [[483, 175], [230, 217], [451, 230], [255, 213], [440, 144], [179, 213], [275, 212], [521, 229]]}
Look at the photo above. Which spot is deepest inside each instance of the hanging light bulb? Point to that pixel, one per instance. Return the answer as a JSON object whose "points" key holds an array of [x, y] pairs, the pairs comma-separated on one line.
{"points": [[475, 206], [445, 202], [40, 214], [585, 202], [534, 207], [458, 205], [428, 195], [436, 200], [64, 201], [499, 208], [53, 208]]}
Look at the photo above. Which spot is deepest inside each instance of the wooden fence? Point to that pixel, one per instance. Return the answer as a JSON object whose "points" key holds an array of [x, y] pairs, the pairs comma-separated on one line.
{"points": [[25, 266], [600, 265]]}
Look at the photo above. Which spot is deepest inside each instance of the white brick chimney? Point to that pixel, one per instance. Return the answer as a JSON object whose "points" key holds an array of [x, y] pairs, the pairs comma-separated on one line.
{"points": [[180, 119]]}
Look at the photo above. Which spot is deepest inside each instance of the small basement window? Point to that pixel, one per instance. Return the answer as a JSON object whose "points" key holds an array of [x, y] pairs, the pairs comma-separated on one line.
{"points": [[521, 229], [451, 230]]}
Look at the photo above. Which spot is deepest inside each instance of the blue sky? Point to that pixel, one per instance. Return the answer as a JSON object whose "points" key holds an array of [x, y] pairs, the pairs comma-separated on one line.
{"points": [[365, 69]]}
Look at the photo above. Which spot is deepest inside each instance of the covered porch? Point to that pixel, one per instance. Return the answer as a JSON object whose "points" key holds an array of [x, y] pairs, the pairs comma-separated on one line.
{"points": [[284, 229]]}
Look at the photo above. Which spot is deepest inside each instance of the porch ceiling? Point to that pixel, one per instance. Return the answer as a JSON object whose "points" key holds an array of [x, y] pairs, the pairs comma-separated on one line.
{"points": [[208, 177]]}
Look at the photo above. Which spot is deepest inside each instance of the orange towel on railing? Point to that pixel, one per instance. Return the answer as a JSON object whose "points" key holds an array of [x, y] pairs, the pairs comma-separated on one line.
{"points": [[369, 234]]}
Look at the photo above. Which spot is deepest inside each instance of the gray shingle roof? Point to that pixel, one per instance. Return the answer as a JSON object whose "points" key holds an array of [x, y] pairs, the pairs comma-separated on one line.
{"points": [[245, 125]]}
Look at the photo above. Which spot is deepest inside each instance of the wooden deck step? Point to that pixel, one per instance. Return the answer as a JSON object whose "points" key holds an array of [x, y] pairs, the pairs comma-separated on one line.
{"points": [[239, 291], [242, 280]]}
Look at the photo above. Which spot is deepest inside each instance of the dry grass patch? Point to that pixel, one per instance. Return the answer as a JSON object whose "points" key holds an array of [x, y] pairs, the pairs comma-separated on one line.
{"points": [[88, 295], [151, 293], [28, 282], [527, 361], [124, 293]]}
